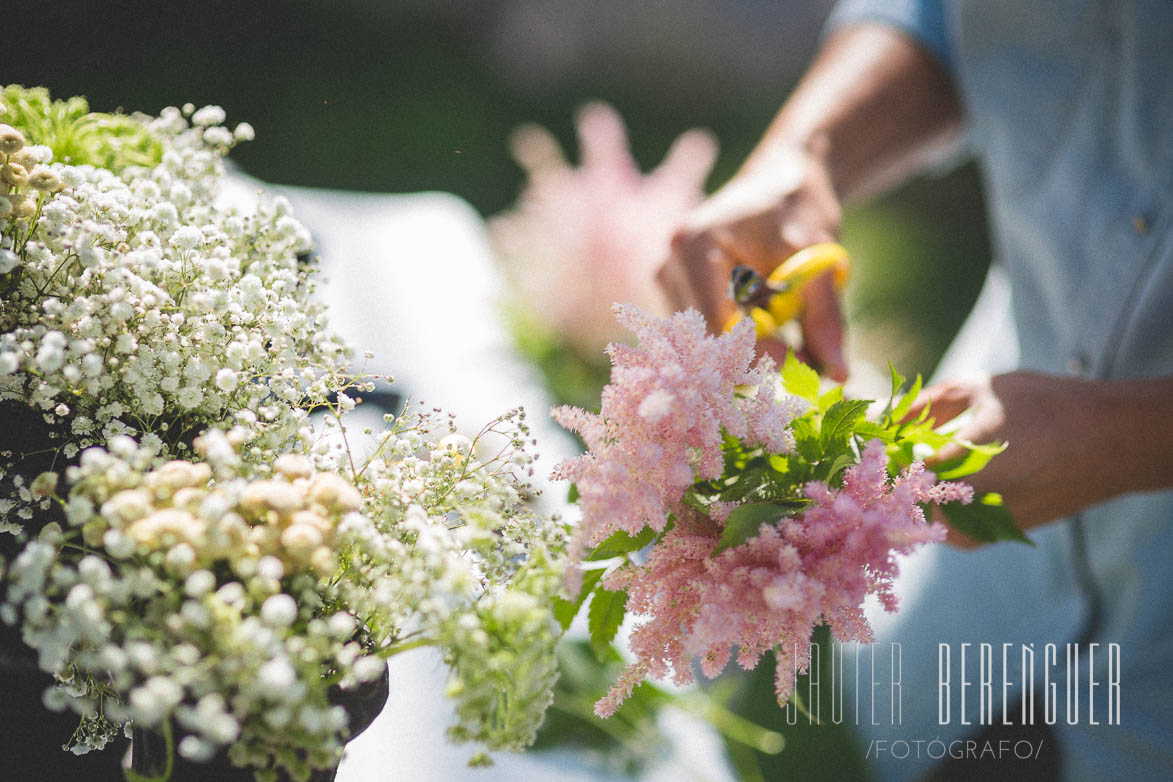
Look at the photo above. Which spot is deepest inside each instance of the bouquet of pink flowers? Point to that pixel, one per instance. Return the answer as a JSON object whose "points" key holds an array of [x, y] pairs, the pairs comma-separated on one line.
{"points": [[763, 506]]}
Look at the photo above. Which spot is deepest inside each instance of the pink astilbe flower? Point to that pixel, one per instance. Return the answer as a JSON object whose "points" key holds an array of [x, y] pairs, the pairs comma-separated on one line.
{"points": [[771, 591], [583, 237], [662, 418]]}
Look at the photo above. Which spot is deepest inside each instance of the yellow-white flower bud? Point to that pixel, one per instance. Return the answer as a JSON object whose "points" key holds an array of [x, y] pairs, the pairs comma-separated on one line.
{"points": [[301, 540], [42, 178], [5, 207], [27, 157], [11, 139], [293, 466], [14, 174], [323, 562], [23, 208], [279, 496], [334, 492]]}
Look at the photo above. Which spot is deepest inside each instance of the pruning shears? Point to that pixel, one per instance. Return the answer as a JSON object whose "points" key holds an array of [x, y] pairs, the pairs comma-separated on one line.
{"points": [[777, 299]]}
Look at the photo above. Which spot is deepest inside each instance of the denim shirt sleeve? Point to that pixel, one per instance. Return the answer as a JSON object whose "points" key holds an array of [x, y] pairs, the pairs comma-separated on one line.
{"points": [[924, 20]]}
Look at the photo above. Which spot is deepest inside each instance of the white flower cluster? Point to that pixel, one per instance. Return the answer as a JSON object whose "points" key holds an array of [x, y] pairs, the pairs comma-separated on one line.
{"points": [[199, 601], [227, 593], [230, 603], [448, 554], [130, 304]]}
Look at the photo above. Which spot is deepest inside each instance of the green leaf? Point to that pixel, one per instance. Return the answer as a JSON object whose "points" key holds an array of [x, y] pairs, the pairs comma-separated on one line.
{"points": [[565, 610], [746, 483], [905, 404], [745, 521], [572, 494], [973, 460], [604, 617], [986, 519], [836, 467], [840, 421], [897, 380], [806, 439], [621, 543], [827, 400], [869, 430], [799, 379]]}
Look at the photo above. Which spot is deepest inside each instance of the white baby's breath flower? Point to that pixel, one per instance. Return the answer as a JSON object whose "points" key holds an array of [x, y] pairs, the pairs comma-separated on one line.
{"points": [[280, 610]]}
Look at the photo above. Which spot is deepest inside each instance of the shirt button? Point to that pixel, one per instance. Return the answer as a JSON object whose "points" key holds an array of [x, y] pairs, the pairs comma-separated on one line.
{"points": [[1140, 224], [1077, 365]]}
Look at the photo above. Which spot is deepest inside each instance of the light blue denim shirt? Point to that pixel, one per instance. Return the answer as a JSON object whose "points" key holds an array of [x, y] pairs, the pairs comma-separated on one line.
{"points": [[1069, 112]]}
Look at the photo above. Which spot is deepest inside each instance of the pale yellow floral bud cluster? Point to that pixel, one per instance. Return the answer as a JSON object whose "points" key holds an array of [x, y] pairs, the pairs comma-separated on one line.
{"points": [[24, 179], [177, 509]]}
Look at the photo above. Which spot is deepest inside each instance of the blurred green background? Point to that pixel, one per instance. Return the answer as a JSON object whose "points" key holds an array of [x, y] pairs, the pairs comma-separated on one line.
{"points": [[414, 95]]}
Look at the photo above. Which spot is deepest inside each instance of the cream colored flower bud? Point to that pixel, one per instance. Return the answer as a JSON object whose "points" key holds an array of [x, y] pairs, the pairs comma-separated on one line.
{"points": [[301, 540], [293, 466], [42, 178], [14, 174], [265, 537], [178, 474], [315, 520], [11, 139], [44, 484], [188, 498], [93, 531], [5, 207], [323, 562], [128, 506], [22, 208], [263, 496], [27, 157], [334, 492], [229, 534]]}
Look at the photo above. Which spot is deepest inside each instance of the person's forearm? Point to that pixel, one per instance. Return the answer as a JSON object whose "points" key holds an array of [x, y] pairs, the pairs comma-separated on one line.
{"points": [[1133, 431], [874, 106]]}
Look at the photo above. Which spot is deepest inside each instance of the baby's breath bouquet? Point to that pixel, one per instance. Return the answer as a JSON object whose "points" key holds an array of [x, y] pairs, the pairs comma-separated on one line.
{"points": [[191, 553]]}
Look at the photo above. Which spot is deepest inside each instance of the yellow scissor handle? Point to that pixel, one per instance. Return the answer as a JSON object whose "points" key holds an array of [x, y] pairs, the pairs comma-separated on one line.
{"points": [[788, 281]]}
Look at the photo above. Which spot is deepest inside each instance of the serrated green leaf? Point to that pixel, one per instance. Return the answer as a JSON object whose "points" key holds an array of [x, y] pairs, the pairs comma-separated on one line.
{"points": [[836, 467], [806, 439], [799, 379], [840, 420], [897, 380], [604, 616], [620, 543], [745, 521], [905, 404], [922, 433], [746, 483], [565, 610], [869, 430], [986, 519], [975, 459]]}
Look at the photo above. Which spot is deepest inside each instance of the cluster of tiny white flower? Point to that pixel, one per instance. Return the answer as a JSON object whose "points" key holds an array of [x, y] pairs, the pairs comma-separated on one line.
{"points": [[229, 603], [461, 563], [129, 304], [227, 586]]}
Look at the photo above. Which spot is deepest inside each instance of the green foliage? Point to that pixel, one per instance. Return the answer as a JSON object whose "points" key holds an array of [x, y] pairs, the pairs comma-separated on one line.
{"points": [[745, 521], [986, 519], [632, 738], [606, 613], [76, 135]]}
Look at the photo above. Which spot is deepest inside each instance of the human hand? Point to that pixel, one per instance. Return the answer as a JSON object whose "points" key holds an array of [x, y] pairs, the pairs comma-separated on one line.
{"points": [[773, 207], [1055, 427]]}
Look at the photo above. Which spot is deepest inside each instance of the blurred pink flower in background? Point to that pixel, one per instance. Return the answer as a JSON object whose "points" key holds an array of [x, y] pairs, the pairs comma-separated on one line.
{"points": [[581, 238]]}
